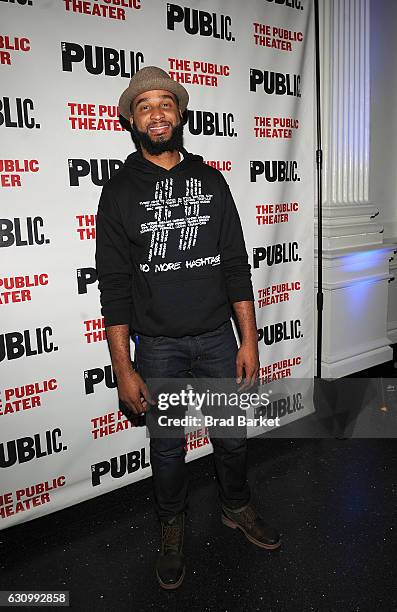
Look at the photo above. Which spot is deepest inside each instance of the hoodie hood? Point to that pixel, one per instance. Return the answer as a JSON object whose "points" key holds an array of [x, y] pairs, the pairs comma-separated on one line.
{"points": [[136, 162]]}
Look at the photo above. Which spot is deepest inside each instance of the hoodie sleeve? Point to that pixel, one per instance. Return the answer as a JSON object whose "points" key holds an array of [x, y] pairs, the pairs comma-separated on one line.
{"points": [[113, 262], [234, 258]]}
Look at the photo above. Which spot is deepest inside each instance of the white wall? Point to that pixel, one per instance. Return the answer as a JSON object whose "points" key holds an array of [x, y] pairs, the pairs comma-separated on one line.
{"points": [[383, 97]]}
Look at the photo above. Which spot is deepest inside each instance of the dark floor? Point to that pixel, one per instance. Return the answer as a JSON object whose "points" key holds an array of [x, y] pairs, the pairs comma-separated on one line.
{"points": [[333, 500]]}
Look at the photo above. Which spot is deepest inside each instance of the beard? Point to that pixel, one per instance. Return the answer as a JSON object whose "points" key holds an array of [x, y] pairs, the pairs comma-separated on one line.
{"points": [[153, 147]]}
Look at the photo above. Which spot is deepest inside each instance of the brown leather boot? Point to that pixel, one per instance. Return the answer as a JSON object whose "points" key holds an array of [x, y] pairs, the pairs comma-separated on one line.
{"points": [[252, 525], [170, 566]]}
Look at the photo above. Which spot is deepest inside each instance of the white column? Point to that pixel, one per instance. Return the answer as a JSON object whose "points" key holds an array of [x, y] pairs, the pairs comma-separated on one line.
{"points": [[355, 260], [345, 64], [348, 217]]}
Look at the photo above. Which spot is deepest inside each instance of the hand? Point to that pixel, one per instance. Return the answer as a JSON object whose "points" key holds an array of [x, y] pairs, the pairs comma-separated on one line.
{"points": [[134, 392], [247, 359]]}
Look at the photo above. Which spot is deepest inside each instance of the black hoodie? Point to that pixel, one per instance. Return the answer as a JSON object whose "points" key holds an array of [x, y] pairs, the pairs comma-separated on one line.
{"points": [[170, 252]]}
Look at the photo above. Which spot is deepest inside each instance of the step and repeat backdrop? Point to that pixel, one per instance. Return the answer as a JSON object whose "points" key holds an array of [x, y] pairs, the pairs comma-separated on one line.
{"points": [[249, 70]]}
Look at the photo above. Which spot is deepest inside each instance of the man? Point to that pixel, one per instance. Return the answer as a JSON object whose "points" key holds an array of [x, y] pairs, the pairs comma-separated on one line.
{"points": [[172, 264]]}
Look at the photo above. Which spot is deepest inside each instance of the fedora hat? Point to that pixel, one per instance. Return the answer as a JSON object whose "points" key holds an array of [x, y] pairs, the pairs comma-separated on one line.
{"points": [[147, 79]]}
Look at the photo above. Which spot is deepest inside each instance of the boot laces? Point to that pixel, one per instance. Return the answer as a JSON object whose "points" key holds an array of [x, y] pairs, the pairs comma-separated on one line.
{"points": [[248, 515], [172, 535]]}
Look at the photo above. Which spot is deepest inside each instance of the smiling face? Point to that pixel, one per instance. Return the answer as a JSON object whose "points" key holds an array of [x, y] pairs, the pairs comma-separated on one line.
{"points": [[156, 113]]}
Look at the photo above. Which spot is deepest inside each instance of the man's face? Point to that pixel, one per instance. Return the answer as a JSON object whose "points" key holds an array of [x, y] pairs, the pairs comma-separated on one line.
{"points": [[156, 121]]}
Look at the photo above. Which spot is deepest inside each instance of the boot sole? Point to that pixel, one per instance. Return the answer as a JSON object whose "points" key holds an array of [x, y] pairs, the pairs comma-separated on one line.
{"points": [[164, 585], [233, 525]]}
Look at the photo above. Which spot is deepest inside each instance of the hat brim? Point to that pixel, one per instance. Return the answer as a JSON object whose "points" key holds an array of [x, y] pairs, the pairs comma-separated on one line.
{"points": [[167, 84]]}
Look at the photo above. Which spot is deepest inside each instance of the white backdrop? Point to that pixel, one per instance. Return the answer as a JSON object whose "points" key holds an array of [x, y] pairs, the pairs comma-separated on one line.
{"points": [[63, 66]]}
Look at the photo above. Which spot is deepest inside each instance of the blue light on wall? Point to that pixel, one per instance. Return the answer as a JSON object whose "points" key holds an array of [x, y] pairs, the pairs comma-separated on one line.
{"points": [[362, 261]]}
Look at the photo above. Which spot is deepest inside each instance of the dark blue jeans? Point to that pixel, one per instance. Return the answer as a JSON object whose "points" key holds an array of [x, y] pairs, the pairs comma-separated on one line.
{"points": [[208, 355]]}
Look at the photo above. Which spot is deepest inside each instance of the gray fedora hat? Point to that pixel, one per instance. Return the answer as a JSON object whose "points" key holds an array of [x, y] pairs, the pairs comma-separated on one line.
{"points": [[147, 79]]}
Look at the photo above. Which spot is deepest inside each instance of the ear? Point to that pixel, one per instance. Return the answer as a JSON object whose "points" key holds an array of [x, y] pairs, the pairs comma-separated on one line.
{"points": [[131, 120]]}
